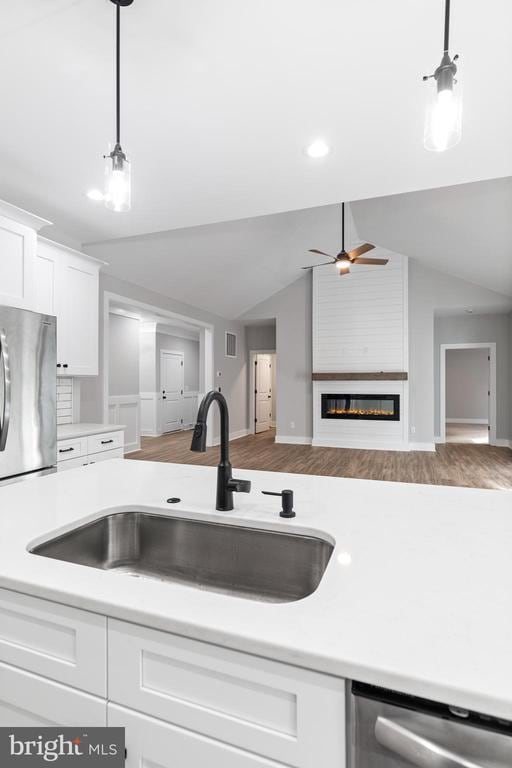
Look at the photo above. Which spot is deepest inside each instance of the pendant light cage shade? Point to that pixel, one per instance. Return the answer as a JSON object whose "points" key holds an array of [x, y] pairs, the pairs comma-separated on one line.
{"points": [[118, 187], [443, 119]]}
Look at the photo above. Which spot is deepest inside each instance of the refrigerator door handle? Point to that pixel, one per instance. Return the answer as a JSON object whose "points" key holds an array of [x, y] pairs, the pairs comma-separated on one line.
{"points": [[416, 749], [6, 408]]}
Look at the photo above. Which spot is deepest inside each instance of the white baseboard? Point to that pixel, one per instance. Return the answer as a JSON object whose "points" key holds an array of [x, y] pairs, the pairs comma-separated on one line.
{"points": [[467, 421], [502, 442], [294, 439], [232, 436], [430, 447], [438, 439], [359, 445]]}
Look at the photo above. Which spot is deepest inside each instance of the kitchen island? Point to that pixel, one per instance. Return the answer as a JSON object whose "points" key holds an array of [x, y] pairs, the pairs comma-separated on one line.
{"points": [[416, 597]]}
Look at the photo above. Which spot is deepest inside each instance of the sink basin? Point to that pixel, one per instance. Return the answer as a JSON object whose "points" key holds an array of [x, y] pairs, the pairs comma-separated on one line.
{"points": [[259, 564]]}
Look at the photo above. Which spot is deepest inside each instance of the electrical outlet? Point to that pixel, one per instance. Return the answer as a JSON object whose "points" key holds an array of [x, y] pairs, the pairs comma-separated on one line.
{"points": [[292, 425], [413, 430]]}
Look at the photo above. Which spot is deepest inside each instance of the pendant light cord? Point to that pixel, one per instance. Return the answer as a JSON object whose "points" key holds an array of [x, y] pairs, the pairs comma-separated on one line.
{"points": [[118, 74], [446, 26]]}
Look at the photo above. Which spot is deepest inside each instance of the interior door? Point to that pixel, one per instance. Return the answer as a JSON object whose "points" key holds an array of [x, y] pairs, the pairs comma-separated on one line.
{"points": [[263, 394], [171, 387]]}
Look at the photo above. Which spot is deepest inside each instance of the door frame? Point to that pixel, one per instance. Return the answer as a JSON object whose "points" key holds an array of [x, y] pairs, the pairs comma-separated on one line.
{"points": [[206, 349], [253, 353], [491, 346]]}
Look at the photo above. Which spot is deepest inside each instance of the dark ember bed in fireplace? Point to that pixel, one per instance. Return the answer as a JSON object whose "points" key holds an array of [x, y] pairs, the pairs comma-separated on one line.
{"points": [[351, 406]]}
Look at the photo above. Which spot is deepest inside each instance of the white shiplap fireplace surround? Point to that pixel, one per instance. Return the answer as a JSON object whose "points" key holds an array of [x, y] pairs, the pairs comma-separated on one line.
{"points": [[360, 326]]}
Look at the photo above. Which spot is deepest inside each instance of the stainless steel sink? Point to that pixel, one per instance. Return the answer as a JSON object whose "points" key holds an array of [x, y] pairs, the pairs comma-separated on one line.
{"points": [[259, 564]]}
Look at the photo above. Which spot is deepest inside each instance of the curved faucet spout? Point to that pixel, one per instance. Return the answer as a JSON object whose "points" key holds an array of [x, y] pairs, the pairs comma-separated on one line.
{"points": [[226, 485]]}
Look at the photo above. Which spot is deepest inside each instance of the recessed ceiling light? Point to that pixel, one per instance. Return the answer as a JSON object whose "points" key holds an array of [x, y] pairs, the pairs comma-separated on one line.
{"points": [[96, 195], [318, 148]]}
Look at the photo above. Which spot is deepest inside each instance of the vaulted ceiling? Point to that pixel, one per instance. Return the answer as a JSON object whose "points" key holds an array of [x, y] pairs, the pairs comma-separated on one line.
{"points": [[220, 99], [464, 230]]}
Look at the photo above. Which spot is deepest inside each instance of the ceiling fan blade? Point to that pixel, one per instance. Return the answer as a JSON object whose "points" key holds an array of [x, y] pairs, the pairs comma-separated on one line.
{"points": [[356, 252], [322, 253], [371, 261], [324, 264]]}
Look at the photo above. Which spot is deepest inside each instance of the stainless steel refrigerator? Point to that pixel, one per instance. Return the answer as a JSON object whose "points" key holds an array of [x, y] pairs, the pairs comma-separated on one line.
{"points": [[28, 393]]}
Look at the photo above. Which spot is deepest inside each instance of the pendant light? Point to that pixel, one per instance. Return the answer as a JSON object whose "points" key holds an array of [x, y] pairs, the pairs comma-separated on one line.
{"points": [[443, 119], [118, 191]]}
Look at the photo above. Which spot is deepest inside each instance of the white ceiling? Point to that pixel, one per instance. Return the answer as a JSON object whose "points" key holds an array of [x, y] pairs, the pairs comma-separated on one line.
{"points": [[221, 98], [464, 231]]}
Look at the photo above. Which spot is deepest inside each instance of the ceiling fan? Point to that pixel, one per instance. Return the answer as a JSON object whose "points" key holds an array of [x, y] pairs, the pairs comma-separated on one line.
{"points": [[344, 259]]}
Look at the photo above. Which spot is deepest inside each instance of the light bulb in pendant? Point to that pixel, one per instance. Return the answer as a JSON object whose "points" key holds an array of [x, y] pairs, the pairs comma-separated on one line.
{"points": [[118, 188]]}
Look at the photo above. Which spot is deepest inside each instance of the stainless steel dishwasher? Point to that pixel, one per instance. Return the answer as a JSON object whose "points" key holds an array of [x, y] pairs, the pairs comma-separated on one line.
{"points": [[393, 730]]}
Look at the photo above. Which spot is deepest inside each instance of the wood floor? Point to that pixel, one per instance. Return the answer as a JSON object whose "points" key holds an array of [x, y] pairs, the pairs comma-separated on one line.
{"points": [[467, 433], [474, 466]]}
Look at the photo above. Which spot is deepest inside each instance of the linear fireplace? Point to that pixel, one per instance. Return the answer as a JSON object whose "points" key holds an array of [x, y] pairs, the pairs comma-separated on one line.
{"points": [[381, 407]]}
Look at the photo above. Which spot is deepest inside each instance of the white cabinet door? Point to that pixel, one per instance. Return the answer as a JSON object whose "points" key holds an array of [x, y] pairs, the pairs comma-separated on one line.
{"points": [[77, 313], [28, 700], [154, 744], [17, 254], [67, 285], [264, 712]]}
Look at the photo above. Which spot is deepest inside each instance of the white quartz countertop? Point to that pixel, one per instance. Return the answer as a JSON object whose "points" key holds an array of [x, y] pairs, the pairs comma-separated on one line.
{"points": [[417, 595], [72, 431]]}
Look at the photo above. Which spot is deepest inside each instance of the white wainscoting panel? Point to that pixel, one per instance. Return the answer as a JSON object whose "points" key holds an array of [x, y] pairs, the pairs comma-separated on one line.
{"points": [[360, 319], [125, 409], [149, 426]]}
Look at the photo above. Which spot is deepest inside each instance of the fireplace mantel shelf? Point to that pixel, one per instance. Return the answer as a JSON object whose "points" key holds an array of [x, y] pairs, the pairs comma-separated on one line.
{"points": [[362, 376]]}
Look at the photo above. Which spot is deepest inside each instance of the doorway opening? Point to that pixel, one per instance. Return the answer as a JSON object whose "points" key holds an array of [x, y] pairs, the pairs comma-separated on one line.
{"points": [[156, 367], [468, 393], [263, 395]]}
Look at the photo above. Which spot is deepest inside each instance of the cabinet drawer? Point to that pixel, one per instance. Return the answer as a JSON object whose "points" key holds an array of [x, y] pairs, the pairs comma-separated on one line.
{"points": [[274, 710], [71, 449], [53, 640], [105, 442], [28, 700], [72, 464], [117, 453], [154, 744]]}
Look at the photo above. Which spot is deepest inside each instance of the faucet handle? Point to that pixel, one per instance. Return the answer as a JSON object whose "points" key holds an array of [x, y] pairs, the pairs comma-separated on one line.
{"points": [[239, 486], [287, 501]]}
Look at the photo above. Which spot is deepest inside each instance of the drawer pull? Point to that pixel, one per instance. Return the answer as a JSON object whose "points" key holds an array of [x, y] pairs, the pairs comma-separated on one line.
{"points": [[65, 450], [106, 442]]}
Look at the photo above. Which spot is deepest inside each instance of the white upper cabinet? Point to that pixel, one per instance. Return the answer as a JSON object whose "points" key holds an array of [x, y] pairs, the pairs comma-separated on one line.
{"points": [[17, 254], [67, 285]]}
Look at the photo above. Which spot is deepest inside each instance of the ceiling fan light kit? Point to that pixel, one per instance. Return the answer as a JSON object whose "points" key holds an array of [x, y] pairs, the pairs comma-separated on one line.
{"points": [[118, 189], [443, 118], [345, 259]]}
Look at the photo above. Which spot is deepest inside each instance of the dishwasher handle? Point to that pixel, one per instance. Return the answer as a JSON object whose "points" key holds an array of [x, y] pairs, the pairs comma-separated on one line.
{"points": [[416, 749]]}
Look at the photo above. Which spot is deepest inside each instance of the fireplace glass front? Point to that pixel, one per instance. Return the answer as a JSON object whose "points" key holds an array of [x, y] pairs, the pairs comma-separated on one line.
{"points": [[354, 406]]}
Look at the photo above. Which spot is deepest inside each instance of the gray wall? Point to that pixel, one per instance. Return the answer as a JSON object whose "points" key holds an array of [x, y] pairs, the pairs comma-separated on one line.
{"points": [[473, 329], [260, 337], [292, 309], [190, 349], [123, 376], [467, 384], [234, 372], [430, 290]]}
